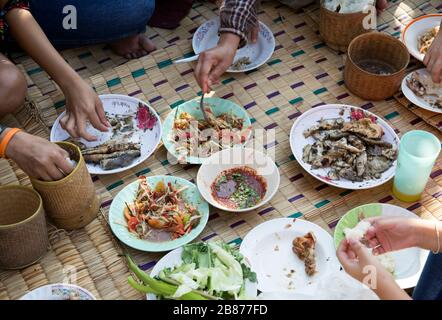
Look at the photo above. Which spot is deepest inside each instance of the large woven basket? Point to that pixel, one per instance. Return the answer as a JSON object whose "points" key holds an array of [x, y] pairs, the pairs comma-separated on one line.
{"points": [[23, 233], [339, 29], [379, 47], [71, 202]]}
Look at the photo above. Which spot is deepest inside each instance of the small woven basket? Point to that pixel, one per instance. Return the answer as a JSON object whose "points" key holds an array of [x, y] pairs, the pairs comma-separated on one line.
{"points": [[381, 47], [339, 29], [23, 233], [71, 203]]}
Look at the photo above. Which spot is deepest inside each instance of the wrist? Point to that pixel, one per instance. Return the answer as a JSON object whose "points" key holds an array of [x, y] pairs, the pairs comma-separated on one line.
{"points": [[68, 80], [14, 144], [229, 41]]}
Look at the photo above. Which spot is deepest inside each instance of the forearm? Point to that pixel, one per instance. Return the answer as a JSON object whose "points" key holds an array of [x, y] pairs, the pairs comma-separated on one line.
{"points": [[32, 39], [388, 289], [426, 234]]}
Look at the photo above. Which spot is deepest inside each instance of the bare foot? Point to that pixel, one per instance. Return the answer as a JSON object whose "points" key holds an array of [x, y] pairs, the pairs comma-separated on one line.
{"points": [[133, 47]]}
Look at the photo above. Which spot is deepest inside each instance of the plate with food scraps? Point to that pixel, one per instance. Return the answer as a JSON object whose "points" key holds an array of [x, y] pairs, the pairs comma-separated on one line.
{"points": [[158, 213], [420, 33], [289, 255], [191, 139], [238, 179], [191, 265], [406, 265], [247, 58], [419, 88], [59, 291], [345, 146], [134, 135]]}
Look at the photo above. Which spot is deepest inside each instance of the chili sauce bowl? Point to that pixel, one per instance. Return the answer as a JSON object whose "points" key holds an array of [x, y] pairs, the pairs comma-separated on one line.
{"points": [[228, 159]]}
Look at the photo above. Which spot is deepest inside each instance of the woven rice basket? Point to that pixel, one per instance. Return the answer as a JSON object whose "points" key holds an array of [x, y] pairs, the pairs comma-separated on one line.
{"points": [[23, 233], [380, 47], [339, 29], [71, 202]]}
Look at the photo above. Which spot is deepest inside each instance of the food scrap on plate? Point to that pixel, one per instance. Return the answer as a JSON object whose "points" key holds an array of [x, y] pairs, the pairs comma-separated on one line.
{"points": [[304, 248]]}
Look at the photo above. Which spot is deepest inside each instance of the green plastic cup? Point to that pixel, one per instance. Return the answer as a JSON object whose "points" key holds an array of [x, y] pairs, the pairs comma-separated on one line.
{"points": [[418, 150]]}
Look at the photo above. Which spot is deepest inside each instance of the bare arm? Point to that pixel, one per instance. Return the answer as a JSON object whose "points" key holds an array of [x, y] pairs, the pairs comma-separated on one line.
{"points": [[82, 103]]}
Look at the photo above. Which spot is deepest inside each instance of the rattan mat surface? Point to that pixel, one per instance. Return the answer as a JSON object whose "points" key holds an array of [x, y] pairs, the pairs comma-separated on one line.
{"points": [[303, 73]]}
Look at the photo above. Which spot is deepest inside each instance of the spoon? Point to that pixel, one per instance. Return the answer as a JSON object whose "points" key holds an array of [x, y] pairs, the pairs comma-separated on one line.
{"points": [[202, 107]]}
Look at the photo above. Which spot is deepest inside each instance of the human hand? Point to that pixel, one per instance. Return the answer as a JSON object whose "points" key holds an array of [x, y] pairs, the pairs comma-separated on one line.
{"points": [[381, 5], [355, 258], [38, 158], [214, 62], [433, 59], [82, 105], [391, 233]]}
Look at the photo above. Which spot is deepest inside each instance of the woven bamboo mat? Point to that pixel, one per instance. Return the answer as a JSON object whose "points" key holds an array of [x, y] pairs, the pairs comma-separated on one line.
{"points": [[303, 73]]}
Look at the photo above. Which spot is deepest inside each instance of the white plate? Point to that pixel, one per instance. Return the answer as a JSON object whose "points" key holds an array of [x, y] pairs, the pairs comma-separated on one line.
{"points": [[58, 291], [410, 262], [268, 249], [418, 101], [415, 29], [173, 259], [232, 158], [310, 118], [118, 105], [206, 37]]}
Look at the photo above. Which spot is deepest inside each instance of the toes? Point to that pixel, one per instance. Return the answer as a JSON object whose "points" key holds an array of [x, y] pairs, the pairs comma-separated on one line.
{"points": [[146, 44]]}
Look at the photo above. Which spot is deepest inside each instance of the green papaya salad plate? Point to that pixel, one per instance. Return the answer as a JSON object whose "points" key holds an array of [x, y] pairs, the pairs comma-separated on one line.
{"points": [[168, 213]]}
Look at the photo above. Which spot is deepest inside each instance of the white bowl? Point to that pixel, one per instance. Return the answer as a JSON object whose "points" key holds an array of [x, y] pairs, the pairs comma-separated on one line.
{"points": [[232, 158], [415, 29], [58, 291]]}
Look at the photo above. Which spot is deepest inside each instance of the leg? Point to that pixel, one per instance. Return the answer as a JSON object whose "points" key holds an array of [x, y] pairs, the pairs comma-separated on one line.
{"points": [[429, 286], [12, 87], [121, 22]]}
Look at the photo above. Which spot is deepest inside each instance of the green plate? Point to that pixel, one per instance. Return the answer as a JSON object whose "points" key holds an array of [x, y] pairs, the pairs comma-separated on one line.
{"points": [[218, 106], [190, 195], [351, 219]]}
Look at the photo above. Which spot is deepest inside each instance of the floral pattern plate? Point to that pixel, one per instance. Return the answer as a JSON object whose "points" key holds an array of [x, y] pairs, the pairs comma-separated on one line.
{"points": [[59, 291], [115, 104], [206, 37]]}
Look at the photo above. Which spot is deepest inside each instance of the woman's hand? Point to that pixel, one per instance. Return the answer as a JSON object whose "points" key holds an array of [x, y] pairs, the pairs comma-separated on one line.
{"points": [[355, 258], [433, 59], [391, 233], [214, 62], [82, 105], [38, 158], [359, 263]]}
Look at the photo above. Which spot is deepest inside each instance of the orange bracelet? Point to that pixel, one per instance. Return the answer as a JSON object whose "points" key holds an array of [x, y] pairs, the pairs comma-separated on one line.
{"points": [[5, 141]]}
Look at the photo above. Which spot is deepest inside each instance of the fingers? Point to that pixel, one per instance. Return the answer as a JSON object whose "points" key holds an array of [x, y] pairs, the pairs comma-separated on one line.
{"points": [[216, 74], [427, 58], [357, 247], [62, 163], [70, 127], [253, 36], [436, 70], [202, 71], [96, 121], [100, 112], [81, 129]]}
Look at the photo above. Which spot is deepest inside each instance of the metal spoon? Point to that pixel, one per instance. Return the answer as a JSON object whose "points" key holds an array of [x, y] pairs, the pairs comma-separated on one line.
{"points": [[202, 107]]}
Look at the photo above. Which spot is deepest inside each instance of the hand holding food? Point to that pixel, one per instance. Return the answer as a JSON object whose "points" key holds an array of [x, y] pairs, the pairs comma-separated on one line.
{"points": [[82, 105], [390, 234], [38, 157], [431, 44], [214, 62], [354, 258]]}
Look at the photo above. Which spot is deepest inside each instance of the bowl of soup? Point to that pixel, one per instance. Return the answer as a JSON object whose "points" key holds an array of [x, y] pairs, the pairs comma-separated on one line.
{"points": [[238, 179]]}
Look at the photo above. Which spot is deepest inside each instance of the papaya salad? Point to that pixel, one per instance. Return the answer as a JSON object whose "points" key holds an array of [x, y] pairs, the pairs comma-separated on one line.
{"points": [[161, 213], [200, 137]]}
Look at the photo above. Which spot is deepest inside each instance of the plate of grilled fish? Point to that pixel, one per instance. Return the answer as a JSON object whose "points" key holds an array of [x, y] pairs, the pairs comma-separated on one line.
{"points": [[345, 146], [419, 88], [134, 134]]}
